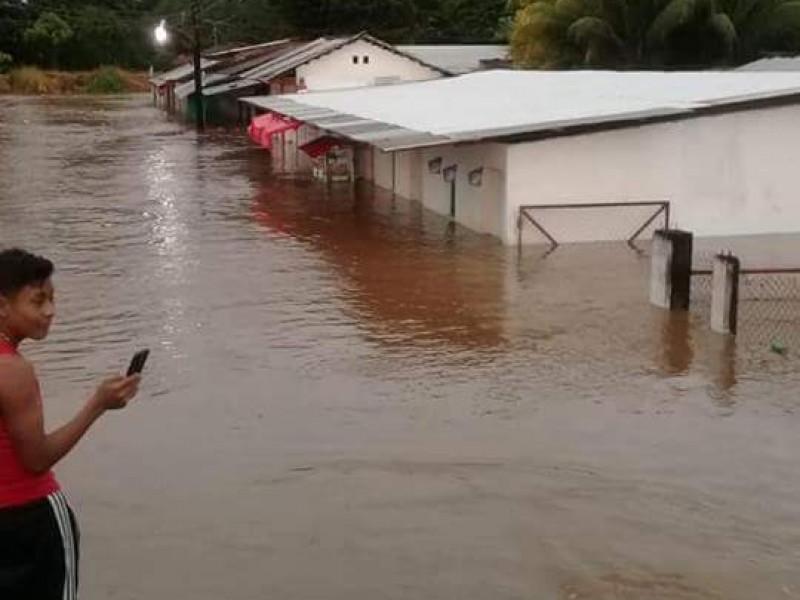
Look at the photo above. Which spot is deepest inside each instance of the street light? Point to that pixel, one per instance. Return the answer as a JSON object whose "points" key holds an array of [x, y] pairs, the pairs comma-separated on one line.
{"points": [[160, 33], [161, 36]]}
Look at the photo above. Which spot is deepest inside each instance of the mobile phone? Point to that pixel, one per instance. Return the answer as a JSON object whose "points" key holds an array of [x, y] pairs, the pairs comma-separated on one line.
{"points": [[137, 362]]}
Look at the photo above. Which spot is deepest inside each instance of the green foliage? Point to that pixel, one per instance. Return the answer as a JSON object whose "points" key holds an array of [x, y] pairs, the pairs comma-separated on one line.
{"points": [[651, 33], [6, 60], [48, 34], [49, 29], [77, 35], [100, 33], [408, 21], [107, 80], [84, 35], [542, 33]]}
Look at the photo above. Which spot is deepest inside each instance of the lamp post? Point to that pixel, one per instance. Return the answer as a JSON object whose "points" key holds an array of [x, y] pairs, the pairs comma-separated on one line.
{"points": [[161, 36], [160, 33]]}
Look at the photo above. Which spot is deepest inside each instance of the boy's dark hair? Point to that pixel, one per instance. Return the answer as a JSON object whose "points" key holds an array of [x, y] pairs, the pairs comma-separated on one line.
{"points": [[19, 268]]}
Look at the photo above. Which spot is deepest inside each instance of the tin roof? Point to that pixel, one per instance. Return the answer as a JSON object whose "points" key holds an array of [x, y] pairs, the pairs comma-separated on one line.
{"points": [[513, 105], [252, 48], [456, 59], [319, 48], [186, 89], [786, 63], [287, 61], [230, 86], [181, 72]]}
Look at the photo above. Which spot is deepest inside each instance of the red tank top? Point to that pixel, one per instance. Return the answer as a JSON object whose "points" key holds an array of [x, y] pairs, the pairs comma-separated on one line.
{"points": [[18, 485]]}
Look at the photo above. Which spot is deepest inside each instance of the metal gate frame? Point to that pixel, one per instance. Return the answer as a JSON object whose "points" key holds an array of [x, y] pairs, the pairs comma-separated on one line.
{"points": [[526, 210]]}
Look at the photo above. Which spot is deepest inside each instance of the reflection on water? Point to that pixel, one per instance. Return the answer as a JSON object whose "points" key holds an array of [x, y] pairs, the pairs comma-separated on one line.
{"points": [[294, 322], [676, 342]]}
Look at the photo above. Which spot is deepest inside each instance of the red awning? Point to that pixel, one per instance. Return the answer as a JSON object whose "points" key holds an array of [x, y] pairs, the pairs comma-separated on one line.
{"points": [[321, 145], [263, 127]]}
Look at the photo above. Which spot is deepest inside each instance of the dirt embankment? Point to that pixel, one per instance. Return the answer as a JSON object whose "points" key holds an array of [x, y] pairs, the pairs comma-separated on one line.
{"points": [[106, 80]]}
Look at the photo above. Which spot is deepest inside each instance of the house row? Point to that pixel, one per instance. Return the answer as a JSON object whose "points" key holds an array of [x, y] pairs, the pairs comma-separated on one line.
{"points": [[289, 66], [529, 155]]}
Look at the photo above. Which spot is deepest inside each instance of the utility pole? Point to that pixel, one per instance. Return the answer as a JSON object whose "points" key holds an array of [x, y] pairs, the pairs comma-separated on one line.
{"points": [[198, 68]]}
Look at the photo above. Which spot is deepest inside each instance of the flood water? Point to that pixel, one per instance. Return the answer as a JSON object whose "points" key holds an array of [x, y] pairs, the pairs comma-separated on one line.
{"points": [[349, 399]]}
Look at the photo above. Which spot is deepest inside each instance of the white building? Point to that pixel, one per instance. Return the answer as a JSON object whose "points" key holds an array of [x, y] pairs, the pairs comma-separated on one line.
{"points": [[286, 66], [326, 64], [721, 148]]}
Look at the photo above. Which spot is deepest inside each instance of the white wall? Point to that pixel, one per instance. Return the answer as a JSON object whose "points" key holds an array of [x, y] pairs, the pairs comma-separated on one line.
{"points": [[408, 175], [337, 70], [479, 208], [731, 174], [363, 160], [383, 169]]}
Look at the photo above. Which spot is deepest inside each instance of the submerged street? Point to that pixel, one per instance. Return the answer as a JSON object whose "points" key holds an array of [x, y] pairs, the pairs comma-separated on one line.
{"points": [[349, 399]]}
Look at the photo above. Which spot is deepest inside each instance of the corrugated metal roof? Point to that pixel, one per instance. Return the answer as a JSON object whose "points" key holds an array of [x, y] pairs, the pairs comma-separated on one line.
{"points": [[377, 133], [294, 58], [187, 89], [287, 61], [238, 50], [773, 64], [456, 59], [506, 104], [180, 72], [317, 49], [230, 86], [230, 61], [250, 60]]}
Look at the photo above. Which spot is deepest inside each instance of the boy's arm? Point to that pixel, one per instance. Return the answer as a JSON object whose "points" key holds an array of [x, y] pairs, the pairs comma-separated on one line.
{"points": [[22, 412]]}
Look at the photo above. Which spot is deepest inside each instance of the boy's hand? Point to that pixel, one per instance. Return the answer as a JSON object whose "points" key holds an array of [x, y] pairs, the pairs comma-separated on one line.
{"points": [[115, 392]]}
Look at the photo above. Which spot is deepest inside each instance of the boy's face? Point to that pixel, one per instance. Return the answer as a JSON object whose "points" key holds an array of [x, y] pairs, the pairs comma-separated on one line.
{"points": [[29, 312]]}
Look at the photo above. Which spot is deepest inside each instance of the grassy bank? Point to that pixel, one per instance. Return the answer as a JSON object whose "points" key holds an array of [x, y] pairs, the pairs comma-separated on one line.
{"points": [[106, 80]]}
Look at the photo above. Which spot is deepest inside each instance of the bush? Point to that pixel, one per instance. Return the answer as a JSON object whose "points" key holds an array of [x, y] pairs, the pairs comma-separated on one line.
{"points": [[6, 60], [28, 80], [107, 80]]}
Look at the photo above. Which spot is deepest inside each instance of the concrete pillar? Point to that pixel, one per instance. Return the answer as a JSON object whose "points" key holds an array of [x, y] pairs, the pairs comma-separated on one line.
{"points": [[725, 294], [671, 269]]}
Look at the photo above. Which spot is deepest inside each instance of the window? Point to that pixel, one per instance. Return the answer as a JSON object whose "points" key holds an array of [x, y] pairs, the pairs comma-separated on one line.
{"points": [[365, 60], [355, 60]]}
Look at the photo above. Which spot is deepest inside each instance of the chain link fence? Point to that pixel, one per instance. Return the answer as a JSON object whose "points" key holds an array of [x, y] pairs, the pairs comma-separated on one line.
{"points": [[769, 308]]}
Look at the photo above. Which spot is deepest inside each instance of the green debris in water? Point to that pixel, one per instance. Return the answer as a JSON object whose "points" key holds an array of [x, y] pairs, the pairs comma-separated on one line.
{"points": [[778, 348]]}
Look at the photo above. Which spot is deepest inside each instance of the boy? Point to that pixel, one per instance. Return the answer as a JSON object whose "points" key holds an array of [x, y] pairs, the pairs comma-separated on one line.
{"points": [[38, 532]]}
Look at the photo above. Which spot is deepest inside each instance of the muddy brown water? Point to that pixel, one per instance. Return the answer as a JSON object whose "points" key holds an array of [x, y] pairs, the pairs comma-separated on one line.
{"points": [[349, 399]]}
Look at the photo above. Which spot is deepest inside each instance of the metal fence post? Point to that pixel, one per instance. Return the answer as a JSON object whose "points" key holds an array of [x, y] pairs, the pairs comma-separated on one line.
{"points": [[671, 269], [725, 294]]}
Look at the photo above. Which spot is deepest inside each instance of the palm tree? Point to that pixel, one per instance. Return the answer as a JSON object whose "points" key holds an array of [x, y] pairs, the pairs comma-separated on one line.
{"points": [[762, 26], [650, 33]]}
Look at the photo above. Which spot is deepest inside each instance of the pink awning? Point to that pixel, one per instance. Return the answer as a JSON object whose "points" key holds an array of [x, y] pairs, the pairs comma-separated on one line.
{"points": [[263, 127], [321, 145]]}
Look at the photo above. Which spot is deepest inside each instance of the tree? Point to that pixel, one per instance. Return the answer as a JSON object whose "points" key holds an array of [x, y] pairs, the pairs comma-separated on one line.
{"points": [[48, 34], [6, 60], [392, 20], [100, 37], [762, 26], [14, 20], [461, 21], [399, 21], [650, 33]]}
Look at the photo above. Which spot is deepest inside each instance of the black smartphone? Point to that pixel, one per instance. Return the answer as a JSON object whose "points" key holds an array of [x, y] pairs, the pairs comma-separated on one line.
{"points": [[137, 362]]}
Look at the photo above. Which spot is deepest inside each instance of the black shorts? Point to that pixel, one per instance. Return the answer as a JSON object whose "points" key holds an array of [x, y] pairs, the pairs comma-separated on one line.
{"points": [[39, 551]]}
